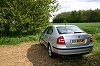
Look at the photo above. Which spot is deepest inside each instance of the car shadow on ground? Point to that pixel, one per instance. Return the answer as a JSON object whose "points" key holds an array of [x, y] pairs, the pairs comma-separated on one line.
{"points": [[37, 55]]}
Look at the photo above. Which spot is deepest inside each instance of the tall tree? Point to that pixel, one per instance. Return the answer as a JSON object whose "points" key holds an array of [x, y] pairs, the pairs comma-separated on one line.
{"points": [[27, 16], [78, 16]]}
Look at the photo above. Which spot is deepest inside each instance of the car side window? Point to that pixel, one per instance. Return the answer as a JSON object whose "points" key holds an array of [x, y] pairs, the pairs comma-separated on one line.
{"points": [[45, 30], [50, 30]]}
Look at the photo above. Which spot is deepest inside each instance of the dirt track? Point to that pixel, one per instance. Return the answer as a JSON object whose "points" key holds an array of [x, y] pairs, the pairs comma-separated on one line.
{"points": [[15, 55], [34, 54], [25, 54]]}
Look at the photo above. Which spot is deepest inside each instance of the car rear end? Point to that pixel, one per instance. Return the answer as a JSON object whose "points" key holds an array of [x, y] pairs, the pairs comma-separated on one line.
{"points": [[72, 42]]}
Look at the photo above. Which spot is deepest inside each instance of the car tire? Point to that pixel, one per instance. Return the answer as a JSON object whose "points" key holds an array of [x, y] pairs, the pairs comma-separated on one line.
{"points": [[50, 53], [80, 55]]}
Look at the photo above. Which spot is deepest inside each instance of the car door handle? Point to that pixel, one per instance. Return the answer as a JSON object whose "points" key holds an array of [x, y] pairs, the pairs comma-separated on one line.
{"points": [[48, 37]]}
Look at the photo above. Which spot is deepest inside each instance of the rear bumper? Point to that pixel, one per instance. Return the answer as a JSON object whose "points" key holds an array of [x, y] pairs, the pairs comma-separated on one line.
{"points": [[74, 50]]}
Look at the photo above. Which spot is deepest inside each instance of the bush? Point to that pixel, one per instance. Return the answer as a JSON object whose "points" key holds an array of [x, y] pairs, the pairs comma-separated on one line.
{"points": [[25, 16]]}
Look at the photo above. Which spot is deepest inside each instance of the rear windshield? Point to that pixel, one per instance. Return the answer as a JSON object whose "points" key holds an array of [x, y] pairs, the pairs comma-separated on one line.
{"points": [[69, 29]]}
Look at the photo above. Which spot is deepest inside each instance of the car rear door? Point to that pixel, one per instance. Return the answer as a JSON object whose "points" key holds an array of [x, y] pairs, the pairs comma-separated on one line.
{"points": [[48, 35], [43, 36]]}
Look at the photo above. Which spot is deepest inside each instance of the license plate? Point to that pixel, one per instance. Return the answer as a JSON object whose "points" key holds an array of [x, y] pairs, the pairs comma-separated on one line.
{"points": [[78, 41]]}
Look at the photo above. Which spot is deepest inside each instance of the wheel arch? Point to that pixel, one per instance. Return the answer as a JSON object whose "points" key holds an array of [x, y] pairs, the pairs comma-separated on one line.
{"points": [[48, 44]]}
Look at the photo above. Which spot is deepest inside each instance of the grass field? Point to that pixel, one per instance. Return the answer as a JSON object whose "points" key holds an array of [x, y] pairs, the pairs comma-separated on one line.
{"points": [[91, 28], [88, 27], [17, 40]]}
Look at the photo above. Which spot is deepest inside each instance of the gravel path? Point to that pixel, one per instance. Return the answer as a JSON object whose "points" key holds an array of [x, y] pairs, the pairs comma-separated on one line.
{"points": [[25, 54], [34, 54], [15, 55]]}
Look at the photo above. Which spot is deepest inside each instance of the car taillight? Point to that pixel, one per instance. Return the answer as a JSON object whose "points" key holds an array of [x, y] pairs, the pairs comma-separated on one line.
{"points": [[60, 40], [91, 39]]}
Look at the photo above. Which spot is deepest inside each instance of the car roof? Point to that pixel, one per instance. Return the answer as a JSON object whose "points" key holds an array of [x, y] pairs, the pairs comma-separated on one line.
{"points": [[61, 25]]}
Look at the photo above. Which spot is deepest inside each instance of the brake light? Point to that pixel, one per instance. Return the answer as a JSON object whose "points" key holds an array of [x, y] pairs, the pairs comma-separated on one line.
{"points": [[91, 39], [60, 40]]}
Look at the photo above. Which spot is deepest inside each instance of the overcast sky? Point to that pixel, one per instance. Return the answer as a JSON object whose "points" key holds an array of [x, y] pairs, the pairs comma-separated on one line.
{"points": [[70, 5]]}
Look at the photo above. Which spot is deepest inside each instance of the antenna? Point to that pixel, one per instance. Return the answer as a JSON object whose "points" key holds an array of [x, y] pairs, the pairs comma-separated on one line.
{"points": [[65, 23]]}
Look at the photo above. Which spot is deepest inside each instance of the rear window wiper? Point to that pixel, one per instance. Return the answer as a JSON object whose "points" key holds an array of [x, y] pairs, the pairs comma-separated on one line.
{"points": [[78, 32]]}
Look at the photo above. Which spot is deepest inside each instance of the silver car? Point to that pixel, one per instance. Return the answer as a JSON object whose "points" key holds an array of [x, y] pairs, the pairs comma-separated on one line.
{"points": [[66, 40]]}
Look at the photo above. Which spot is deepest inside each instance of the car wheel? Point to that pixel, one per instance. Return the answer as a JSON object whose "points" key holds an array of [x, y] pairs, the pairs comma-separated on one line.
{"points": [[80, 55], [50, 53]]}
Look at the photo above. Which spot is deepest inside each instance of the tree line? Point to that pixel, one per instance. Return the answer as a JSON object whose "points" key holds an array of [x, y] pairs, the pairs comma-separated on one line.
{"points": [[80, 16], [25, 16]]}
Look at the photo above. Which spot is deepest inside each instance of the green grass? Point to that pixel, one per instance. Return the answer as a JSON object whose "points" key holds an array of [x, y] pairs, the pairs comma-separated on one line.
{"points": [[91, 28], [17, 40]]}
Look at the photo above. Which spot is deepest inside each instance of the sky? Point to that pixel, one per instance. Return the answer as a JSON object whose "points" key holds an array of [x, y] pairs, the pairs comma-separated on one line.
{"points": [[71, 5]]}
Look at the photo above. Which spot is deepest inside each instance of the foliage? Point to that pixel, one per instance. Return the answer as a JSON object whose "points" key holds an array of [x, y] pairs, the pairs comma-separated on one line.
{"points": [[25, 16], [17, 40], [80, 16], [97, 37]]}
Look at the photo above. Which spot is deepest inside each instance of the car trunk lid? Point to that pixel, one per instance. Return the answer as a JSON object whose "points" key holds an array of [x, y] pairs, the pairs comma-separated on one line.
{"points": [[73, 40]]}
